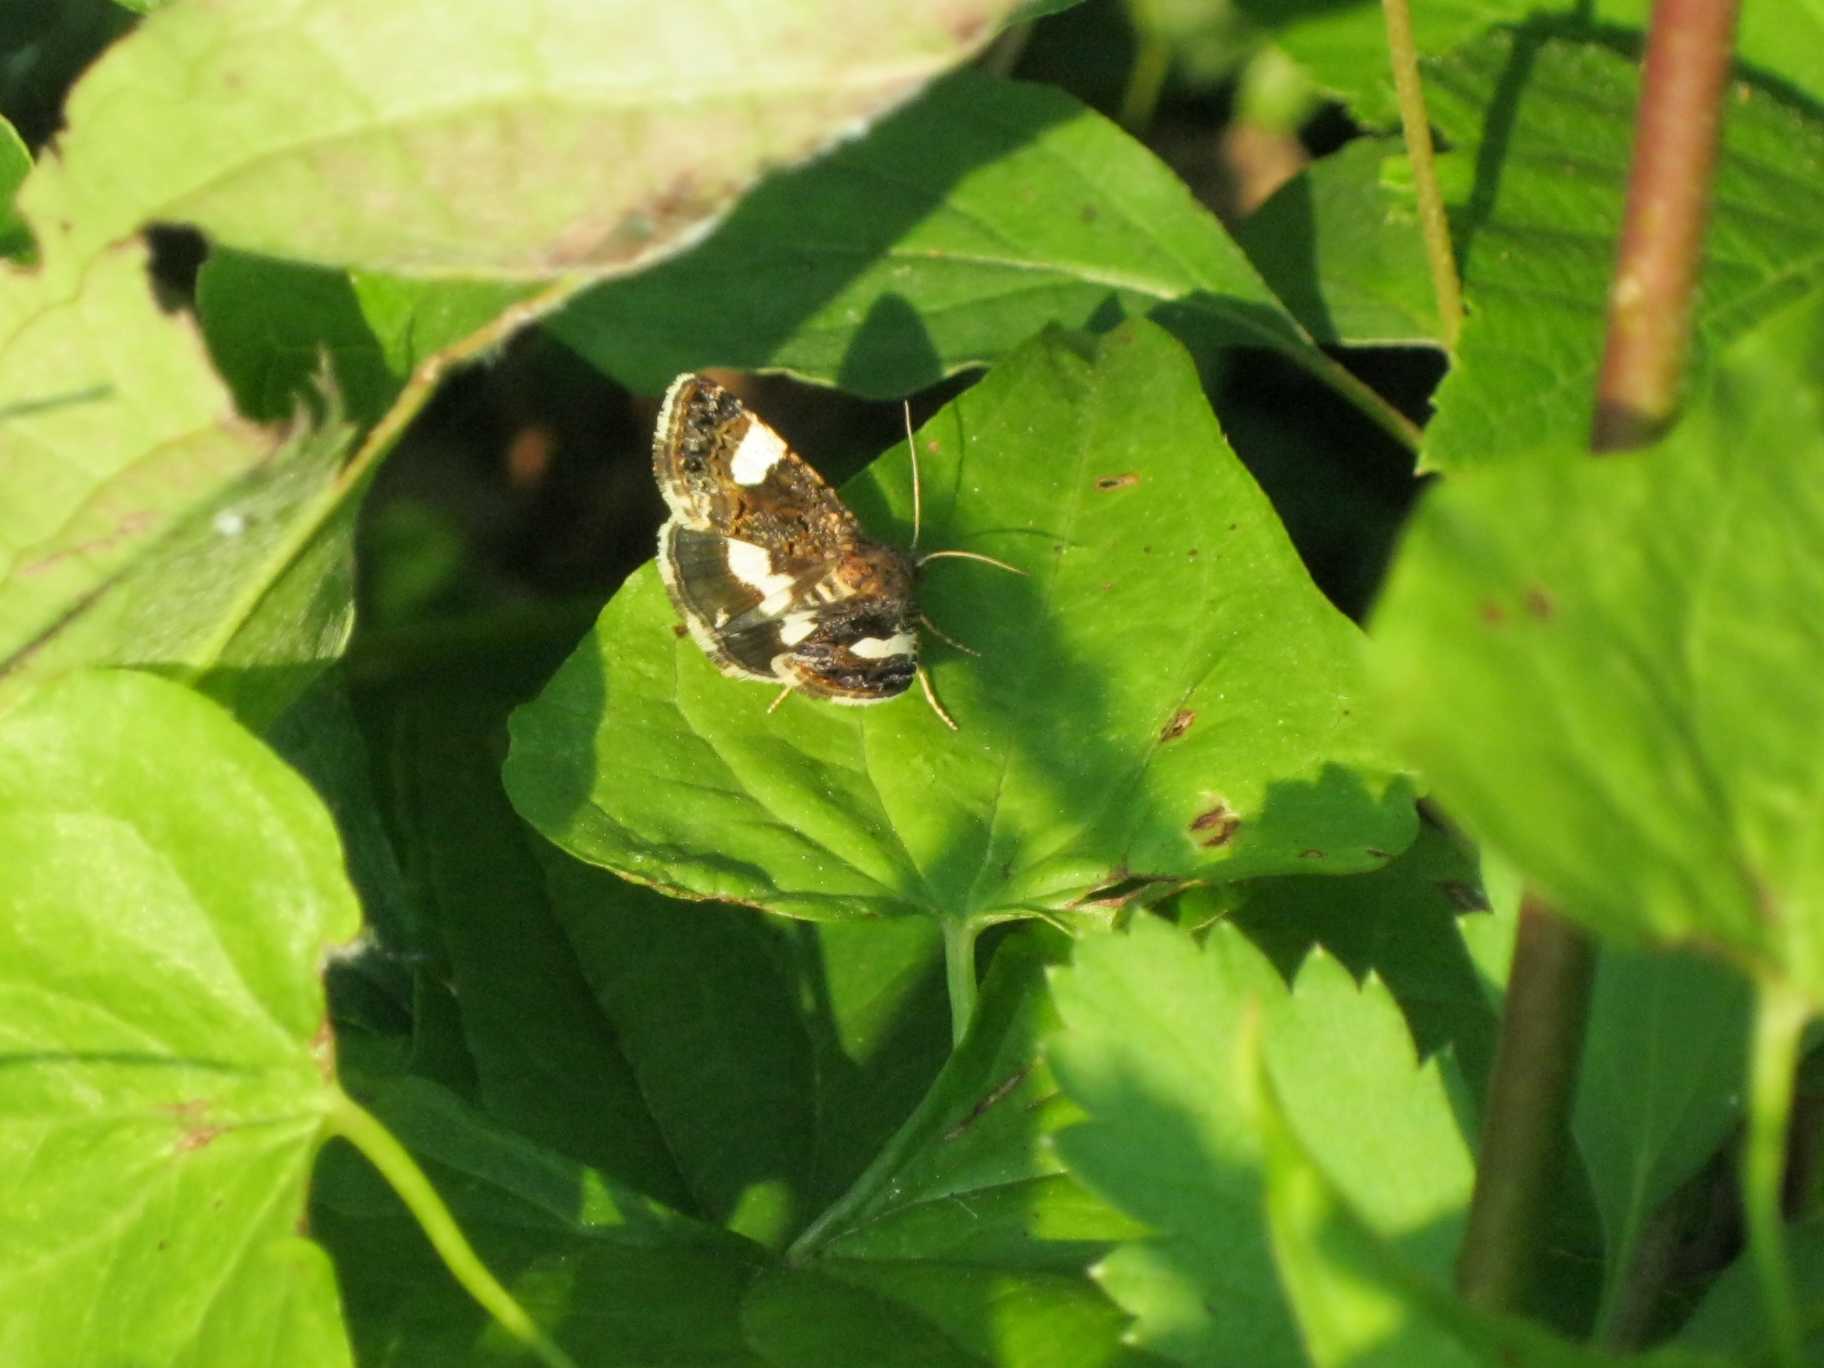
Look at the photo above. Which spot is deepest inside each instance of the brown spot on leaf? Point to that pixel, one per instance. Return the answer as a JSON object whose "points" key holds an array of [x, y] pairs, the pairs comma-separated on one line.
{"points": [[1491, 612], [1220, 822], [1310, 853], [1179, 725], [1121, 888], [1191, 554], [1375, 853], [678, 629], [1000, 1090], [1122, 481], [197, 1139], [1540, 604]]}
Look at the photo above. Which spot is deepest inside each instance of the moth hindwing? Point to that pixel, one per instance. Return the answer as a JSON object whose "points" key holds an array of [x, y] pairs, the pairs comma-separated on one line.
{"points": [[769, 571]]}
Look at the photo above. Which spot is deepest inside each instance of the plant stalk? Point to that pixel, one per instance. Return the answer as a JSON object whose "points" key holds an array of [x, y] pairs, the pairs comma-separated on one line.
{"points": [[959, 974], [1650, 308], [1416, 125], [358, 1126], [1526, 1124], [1779, 1026], [1678, 133]]}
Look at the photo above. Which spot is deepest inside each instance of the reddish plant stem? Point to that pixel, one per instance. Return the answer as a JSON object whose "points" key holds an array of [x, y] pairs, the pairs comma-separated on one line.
{"points": [[1527, 1118], [1684, 81]]}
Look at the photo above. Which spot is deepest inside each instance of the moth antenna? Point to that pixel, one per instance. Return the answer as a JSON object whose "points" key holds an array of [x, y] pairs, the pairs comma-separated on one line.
{"points": [[971, 555], [912, 448], [784, 694], [924, 681], [945, 637]]}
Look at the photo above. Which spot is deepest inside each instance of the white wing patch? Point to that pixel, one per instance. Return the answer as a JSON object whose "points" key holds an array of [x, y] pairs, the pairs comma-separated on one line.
{"points": [[753, 566], [879, 648], [761, 449]]}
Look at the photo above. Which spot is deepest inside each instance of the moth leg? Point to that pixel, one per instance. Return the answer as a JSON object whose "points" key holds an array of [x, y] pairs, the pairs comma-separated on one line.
{"points": [[784, 694], [945, 637], [924, 682]]}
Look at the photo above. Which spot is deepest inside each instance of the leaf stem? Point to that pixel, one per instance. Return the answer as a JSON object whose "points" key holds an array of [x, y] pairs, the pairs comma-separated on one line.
{"points": [[1779, 1025], [1433, 222], [417, 391], [358, 1126], [1677, 135], [959, 973], [1527, 1117]]}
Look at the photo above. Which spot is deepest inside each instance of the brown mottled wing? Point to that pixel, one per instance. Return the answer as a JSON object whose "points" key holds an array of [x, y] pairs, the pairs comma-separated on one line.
{"points": [[766, 567], [722, 470]]}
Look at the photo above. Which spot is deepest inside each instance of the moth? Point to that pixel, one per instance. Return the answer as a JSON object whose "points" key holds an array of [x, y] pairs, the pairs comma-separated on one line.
{"points": [[768, 569]]}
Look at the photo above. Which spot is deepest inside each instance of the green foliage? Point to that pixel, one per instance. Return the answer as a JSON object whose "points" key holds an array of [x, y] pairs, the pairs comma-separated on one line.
{"points": [[171, 889], [1606, 667], [641, 757], [1143, 1019], [963, 225]]}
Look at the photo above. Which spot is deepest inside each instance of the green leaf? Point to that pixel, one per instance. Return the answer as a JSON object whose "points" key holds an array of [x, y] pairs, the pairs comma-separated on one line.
{"points": [[1150, 1051], [1359, 1304], [1406, 924], [811, 1044], [1165, 695], [286, 1303], [1612, 671], [1343, 42], [971, 1177], [965, 1236], [16, 242], [547, 1060], [524, 141], [272, 327], [614, 1277], [944, 239], [1660, 1086], [141, 522], [1549, 126], [171, 890], [935, 1315], [1340, 244], [636, 1033]]}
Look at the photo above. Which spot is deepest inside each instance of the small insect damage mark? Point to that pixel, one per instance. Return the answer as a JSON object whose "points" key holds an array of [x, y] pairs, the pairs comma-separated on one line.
{"points": [[194, 1134], [1178, 726], [679, 630], [1540, 603], [1122, 887], [1465, 897], [1125, 480], [1220, 821], [1311, 853], [1491, 612], [197, 1139], [998, 1093], [1376, 853]]}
